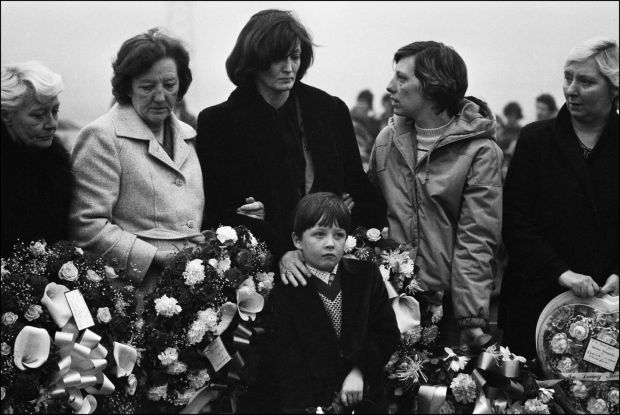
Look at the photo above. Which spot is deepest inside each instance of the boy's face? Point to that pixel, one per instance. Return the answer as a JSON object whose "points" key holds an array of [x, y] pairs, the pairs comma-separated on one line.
{"points": [[323, 246]]}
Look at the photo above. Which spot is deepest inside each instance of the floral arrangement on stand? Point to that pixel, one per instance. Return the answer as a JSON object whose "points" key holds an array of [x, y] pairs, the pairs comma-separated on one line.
{"points": [[47, 362], [200, 322], [577, 341]]}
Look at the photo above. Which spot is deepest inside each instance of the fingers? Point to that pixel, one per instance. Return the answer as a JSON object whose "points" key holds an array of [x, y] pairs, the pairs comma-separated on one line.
{"points": [[350, 398]]}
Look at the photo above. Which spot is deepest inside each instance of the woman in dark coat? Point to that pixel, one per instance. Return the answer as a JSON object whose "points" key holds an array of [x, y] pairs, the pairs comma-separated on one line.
{"points": [[276, 139], [36, 179], [561, 198]]}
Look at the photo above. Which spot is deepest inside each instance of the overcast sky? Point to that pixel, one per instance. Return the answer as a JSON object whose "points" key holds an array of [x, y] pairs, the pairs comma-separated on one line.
{"points": [[513, 50]]}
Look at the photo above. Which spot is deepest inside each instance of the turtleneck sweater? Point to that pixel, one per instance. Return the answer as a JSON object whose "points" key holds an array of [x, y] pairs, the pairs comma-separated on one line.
{"points": [[426, 137]]}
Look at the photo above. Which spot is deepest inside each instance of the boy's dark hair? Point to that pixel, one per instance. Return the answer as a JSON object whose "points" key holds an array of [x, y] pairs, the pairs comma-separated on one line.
{"points": [[322, 209], [441, 71]]}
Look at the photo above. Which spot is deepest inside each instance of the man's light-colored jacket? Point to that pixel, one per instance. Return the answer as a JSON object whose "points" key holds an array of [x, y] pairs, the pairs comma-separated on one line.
{"points": [[130, 199], [448, 205]]}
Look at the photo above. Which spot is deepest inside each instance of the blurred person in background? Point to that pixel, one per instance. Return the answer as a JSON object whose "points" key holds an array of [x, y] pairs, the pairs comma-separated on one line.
{"points": [[439, 169], [36, 178], [561, 198], [277, 139], [508, 133], [545, 107], [138, 195], [388, 110]]}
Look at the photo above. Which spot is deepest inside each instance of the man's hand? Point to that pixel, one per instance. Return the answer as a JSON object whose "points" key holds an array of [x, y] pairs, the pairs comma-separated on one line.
{"points": [[352, 391], [581, 285], [469, 335], [293, 269], [611, 285], [348, 201], [252, 208]]}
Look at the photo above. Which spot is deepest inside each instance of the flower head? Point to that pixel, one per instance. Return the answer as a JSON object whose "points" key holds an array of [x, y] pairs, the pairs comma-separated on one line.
{"points": [[110, 273], [597, 406], [79, 251], [409, 370], [68, 272], [176, 368], [579, 330], [197, 379], [412, 337], [559, 343], [9, 318], [430, 335], [508, 355], [578, 389], [464, 388], [567, 364], [535, 406], [34, 312], [167, 306], [93, 276], [194, 272], [209, 318], [132, 385], [613, 396], [157, 393], [103, 315], [226, 235], [373, 234], [168, 356], [38, 248], [350, 243], [265, 281], [6, 349], [457, 363], [545, 395]]}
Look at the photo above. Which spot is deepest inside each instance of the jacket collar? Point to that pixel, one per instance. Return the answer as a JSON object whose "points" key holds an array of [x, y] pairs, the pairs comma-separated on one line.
{"points": [[128, 124]]}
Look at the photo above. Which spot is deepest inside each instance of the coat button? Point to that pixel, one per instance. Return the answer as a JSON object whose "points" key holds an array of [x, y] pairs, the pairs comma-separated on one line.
{"points": [[190, 224], [178, 182]]}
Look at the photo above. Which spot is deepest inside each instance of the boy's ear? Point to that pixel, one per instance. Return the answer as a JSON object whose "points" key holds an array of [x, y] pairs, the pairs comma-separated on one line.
{"points": [[296, 240]]}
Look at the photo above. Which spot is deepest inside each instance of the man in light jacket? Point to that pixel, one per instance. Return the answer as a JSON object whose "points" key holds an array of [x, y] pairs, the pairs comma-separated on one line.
{"points": [[439, 169]]}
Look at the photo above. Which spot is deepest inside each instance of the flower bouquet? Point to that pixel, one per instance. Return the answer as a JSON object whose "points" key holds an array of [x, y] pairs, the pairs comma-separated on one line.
{"points": [[577, 341], [51, 350], [200, 320]]}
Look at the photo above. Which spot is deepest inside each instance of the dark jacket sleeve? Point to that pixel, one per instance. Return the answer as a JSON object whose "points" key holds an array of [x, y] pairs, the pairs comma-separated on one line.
{"points": [[383, 335], [291, 373], [370, 209], [522, 232]]}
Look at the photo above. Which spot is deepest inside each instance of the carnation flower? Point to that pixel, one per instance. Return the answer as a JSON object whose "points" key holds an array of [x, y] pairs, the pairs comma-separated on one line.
{"points": [[223, 265], [167, 306], [464, 388], [559, 343], [535, 406], [110, 273], [34, 312], [350, 244], [132, 385], [456, 362], [6, 349], [413, 336], [613, 396], [373, 234], [578, 389], [579, 330], [196, 332], [197, 379], [226, 235], [168, 356], [9, 318], [157, 393], [194, 272], [38, 248], [597, 406], [447, 408], [68, 272], [265, 281], [406, 267], [567, 364], [545, 395], [183, 398], [176, 368], [93, 276], [429, 335], [103, 315], [209, 318]]}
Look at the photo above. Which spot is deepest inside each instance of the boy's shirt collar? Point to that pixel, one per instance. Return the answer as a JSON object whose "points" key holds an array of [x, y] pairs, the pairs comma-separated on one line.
{"points": [[324, 276]]}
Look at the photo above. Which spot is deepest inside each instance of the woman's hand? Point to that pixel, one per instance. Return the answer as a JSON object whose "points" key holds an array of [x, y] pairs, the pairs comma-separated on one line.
{"points": [[252, 208], [352, 391], [162, 258], [611, 285], [348, 201], [581, 285], [293, 269]]}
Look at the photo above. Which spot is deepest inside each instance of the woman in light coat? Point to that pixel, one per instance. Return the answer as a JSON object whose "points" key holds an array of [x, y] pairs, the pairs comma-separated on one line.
{"points": [[138, 194]]}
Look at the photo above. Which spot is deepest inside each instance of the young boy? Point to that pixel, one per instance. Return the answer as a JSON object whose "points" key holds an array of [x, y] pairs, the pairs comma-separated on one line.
{"points": [[333, 336]]}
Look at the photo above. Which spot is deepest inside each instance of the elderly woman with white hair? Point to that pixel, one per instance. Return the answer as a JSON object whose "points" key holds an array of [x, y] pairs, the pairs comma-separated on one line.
{"points": [[561, 198], [36, 178]]}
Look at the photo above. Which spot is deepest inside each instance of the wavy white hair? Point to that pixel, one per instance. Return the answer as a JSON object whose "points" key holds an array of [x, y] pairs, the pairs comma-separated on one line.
{"points": [[18, 80], [605, 53]]}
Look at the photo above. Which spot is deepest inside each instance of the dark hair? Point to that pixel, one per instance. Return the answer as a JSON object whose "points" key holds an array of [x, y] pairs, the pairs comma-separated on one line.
{"points": [[138, 54], [548, 100], [367, 96], [322, 209], [512, 108], [441, 71], [269, 36]]}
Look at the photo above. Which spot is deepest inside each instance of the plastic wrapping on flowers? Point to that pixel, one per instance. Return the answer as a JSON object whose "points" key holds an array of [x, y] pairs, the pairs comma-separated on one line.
{"points": [[202, 321], [34, 309], [577, 341]]}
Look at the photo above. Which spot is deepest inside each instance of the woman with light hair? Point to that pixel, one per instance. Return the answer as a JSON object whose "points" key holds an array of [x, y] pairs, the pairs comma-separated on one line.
{"points": [[561, 197], [36, 179]]}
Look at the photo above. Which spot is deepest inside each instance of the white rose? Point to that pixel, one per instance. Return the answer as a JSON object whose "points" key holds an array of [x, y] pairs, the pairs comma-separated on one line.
{"points": [[194, 272], [167, 306], [38, 248], [373, 234], [93, 276], [350, 244], [103, 315], [68, 272], [168, 356], [9, 318], [6, 349], [226, 235], [34, 312]]}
